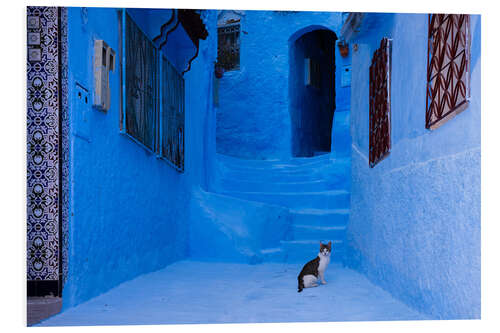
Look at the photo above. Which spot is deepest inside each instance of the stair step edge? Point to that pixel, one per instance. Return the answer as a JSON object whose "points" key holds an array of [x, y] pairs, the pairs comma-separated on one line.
{"points": [[322, 228]]}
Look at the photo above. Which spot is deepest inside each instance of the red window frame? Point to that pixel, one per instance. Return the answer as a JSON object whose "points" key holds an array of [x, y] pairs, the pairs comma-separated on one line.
{"points": [[448, 68], [380, 102]]}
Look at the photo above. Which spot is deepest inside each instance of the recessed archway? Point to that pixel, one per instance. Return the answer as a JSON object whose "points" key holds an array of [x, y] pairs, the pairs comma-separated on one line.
{"points": [[312, 90]]}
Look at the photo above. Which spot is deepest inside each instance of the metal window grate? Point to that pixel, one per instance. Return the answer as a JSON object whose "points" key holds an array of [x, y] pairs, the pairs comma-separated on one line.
{"points": [[380, 103], [140, 85], [447, 68], [152, 96], [228, 46], [172, 118]]}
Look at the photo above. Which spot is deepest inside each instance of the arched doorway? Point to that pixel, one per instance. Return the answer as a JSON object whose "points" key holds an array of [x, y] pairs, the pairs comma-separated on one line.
{"points": [[312, 90]]}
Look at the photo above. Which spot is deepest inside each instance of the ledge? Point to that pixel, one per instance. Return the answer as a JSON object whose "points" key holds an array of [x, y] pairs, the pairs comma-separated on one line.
{"points": [[40, 308]]}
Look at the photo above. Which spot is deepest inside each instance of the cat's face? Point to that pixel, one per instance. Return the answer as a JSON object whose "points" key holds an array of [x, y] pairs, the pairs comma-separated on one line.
{"points": [[325, 249]]}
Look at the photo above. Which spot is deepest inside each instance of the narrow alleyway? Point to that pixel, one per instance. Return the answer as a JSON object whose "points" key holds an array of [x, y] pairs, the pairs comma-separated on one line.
{"points": [[315, 193], [190, 292], [183, 165]]}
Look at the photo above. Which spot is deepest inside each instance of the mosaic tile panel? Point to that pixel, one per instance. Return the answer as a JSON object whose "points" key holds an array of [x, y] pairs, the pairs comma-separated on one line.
{"points": [[43, 150]]}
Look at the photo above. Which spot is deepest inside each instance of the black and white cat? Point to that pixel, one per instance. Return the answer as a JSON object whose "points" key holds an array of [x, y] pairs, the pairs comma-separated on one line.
{"points": [[314, 270]]}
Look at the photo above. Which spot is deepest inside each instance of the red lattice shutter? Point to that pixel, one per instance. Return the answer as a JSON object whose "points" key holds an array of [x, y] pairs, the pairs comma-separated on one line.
{"points": [[380, 103], [447, 68]]}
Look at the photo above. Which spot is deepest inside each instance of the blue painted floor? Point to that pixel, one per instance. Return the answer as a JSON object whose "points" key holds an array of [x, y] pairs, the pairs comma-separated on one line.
{"points": [[190, 292]]}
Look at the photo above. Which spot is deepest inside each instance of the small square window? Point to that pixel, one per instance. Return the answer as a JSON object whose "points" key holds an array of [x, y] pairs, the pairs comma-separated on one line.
{"points": [[228, 46]]}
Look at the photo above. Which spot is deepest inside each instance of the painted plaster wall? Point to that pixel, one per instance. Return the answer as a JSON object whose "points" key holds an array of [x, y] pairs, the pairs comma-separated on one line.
{"points": [[228, 229], [129, 210], [253, 117], [414, 227], [341, 133]]}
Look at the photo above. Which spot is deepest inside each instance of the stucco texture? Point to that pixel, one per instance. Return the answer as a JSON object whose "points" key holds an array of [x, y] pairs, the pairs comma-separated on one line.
{"points": [[414, 226], [128, 208], [253, 116]]}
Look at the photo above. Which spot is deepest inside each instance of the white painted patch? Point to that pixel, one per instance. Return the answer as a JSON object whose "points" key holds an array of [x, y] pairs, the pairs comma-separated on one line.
{"points": [[310, 281], [324, 260]]}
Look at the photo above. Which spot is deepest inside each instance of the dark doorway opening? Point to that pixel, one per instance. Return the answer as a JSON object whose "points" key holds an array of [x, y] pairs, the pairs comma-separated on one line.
{"points": [[312, 92]]}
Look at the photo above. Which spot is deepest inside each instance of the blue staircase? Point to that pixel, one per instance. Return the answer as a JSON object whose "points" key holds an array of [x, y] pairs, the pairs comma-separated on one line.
{"points": [[315, 192]]}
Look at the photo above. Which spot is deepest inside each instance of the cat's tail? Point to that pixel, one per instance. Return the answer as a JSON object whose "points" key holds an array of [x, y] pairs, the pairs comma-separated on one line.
{"points": [[301, 283]]}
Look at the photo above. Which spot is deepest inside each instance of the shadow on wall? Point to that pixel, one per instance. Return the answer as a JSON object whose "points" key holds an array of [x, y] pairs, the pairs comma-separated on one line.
{"points": [[312, 90]]}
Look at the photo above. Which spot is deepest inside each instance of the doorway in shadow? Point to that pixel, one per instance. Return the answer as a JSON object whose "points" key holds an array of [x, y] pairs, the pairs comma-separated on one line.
{"points": [[312, 91]]}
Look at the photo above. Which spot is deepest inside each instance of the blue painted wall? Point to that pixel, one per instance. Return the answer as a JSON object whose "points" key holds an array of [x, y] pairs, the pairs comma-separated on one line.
{"points": [[129, 210], [414, 227], [341, 133], [228, 229], [253, 116]]}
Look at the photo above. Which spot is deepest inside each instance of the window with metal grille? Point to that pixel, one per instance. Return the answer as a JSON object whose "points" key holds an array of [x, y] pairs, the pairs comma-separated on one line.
{"points": [[172, 115], [153, 105], [140, 85], [380, 102], [228, 46], [448, 63]]}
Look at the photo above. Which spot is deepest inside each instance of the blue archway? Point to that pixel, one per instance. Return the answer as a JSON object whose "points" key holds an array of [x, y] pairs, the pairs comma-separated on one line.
{"points": [[312, 89]]}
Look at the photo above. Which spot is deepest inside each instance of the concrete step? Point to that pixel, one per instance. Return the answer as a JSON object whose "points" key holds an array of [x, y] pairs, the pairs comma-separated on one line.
{"points": [[238, 174], [236, 162], [278, 168], [291, 165], [317, 232], [320, 217], [232, 229], [319, 153], [321, 200], [40, 308], [232, 184], [276, 254], [332, 174], [305, 250]]}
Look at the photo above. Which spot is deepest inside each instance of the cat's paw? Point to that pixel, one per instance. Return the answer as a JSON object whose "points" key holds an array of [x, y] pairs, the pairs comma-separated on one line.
{"points": [[323, 282]]}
